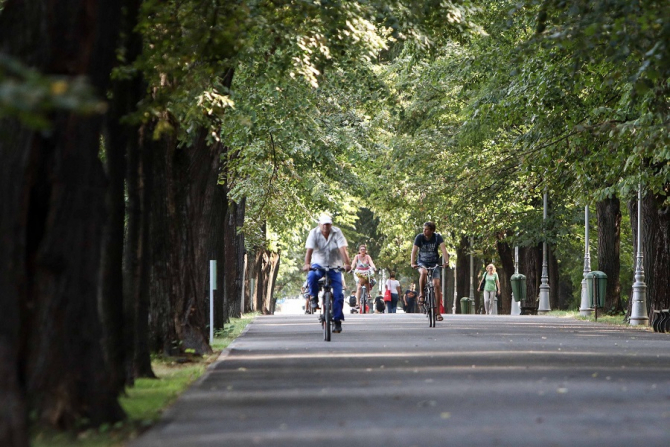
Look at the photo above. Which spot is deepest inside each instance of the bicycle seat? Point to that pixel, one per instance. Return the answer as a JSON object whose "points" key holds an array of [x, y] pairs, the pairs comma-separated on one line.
{"points": [[322, 280]]}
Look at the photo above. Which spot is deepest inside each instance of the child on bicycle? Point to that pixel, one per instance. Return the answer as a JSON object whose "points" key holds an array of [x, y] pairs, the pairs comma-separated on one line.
{"points": [[428, 246]]}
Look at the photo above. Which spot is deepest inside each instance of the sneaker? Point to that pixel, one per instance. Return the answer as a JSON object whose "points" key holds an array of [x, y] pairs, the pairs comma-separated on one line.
{"points": [[314, 301], [338, 327]]}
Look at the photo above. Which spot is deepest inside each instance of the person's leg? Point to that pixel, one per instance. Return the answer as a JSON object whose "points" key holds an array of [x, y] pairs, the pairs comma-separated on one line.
{"points": [[438, 293], [488, 298], [410, 305], [338, 296], [359, 284], [394, 303], [313, 278], [422, 282]]}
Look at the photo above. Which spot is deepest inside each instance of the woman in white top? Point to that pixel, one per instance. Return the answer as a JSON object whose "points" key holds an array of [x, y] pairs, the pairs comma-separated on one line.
{"points": [[364, 268], [396, 291]]}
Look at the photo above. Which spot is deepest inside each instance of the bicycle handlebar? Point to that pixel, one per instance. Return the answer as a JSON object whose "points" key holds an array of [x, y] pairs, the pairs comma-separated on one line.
{"points": [[327, 268]]}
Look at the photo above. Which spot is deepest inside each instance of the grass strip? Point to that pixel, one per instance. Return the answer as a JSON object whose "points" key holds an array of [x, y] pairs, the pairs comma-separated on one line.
{"points": [[613, 320], [145, 402]]}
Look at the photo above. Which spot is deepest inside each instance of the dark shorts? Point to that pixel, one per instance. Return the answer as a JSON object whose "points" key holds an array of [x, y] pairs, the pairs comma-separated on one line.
{"points": [[437, 273]]}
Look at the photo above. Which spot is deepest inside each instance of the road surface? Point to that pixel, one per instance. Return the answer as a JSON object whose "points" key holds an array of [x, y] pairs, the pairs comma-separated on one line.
{"points": [[390, 380]]}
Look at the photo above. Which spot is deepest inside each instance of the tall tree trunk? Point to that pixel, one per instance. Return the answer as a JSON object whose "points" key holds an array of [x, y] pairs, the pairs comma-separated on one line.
{"points": [[13, 283], [656, 250], [110, 293], [232, 268], [55, 220], [530, 264], [272, 270], [506, 255], [138, 309], [462, 271], [186, 202], [118, 315], [609, 237]]}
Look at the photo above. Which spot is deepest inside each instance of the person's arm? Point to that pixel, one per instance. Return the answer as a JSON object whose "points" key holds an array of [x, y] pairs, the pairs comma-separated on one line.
{"points": [[345, 256], [415, 249], [308, 259], [445, 255], [372, 264], [399, 289], [498, 284]]}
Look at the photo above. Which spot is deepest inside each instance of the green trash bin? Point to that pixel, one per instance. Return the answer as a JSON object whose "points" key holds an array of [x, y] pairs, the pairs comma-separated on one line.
{"points": [[518, 286], [596, 286], [465, 306]]}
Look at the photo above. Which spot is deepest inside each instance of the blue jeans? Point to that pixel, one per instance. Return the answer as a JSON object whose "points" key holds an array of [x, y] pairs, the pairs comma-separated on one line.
{"points": [[392, 305], [313, 278]]}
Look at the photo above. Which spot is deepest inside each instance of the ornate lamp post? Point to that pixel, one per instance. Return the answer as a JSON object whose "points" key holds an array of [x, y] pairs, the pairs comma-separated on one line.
{"points": [[638, 315], [544, 306], [584, 309]]}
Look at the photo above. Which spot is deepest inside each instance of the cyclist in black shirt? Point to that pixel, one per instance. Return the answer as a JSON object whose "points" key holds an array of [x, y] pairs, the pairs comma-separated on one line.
{"points": [[428, 246]]}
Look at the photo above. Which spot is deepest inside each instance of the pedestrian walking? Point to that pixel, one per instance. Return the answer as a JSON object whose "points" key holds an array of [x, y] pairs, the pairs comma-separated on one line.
{"points": [[393, 286], [491, 288]]}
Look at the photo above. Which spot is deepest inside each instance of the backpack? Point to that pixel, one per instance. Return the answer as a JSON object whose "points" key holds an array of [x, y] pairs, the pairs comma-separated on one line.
{"points": [[352, 300], [379, 304]]}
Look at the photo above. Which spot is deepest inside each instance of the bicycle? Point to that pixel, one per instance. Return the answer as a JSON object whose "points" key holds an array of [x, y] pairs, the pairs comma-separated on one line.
{"points": [[326, 317], [429, 304], [365, 295], [364, 299]]}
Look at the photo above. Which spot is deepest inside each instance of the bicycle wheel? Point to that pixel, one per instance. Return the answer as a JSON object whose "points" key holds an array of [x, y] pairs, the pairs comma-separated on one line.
{"points": [[430, 302], [327, 316], [363, 303]]}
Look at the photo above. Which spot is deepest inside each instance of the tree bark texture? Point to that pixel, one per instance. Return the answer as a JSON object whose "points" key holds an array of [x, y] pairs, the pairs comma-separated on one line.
{"points": [[656, 250], [506, 254], [269, 300], [609, 237], [530, 264], [119, 270], [52, 224], [137, 305], [186, 213]]}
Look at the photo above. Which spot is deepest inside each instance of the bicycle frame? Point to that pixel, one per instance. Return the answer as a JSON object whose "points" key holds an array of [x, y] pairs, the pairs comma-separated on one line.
{"points": [[430, 304]]}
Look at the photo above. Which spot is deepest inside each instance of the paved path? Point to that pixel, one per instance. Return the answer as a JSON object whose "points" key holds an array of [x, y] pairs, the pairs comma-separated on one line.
{"points": [[389, 380]]}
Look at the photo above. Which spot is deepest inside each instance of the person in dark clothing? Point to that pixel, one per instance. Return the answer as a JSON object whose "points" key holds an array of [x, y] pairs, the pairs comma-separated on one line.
{"points": [[409, 299], [427, 246]]}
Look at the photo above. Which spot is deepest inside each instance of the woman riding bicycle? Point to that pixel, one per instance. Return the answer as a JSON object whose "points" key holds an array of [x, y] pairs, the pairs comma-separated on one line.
{"points": [[428, 246], [364, 268]]}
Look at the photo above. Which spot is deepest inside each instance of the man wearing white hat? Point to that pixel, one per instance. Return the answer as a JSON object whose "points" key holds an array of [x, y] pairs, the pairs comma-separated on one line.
{"points": [[327, 246]]}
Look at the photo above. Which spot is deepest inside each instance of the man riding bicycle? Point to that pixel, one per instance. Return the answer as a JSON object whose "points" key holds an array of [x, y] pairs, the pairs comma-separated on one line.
{"points": [[427, 244], [327, 246]]}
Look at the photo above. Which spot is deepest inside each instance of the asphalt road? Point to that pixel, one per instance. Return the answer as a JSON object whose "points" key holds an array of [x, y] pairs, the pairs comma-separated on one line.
{"points": [[390, 380]]}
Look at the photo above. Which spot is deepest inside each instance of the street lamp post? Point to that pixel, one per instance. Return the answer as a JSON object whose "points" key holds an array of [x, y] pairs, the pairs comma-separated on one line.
{"points": [[584, 309], [638, 315], [544, 306], [516, 305]]}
